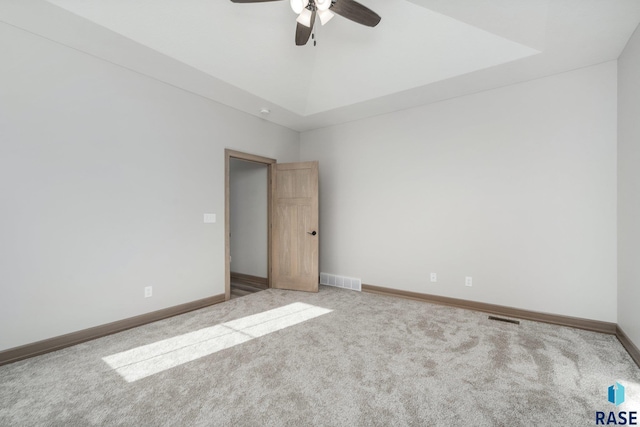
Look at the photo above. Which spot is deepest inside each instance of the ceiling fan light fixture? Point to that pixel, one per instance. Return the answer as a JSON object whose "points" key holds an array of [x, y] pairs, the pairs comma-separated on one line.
{"points": [[323, 4], [299, 5], [325, 16], [304, 18]]}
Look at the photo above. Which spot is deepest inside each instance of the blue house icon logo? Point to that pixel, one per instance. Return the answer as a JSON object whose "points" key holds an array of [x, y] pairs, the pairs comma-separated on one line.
{"points": [[616, 394]]}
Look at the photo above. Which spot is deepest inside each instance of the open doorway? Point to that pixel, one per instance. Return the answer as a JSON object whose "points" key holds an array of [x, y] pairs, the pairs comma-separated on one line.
{"points": [[248, 207], [292, 218], [248, 210]]}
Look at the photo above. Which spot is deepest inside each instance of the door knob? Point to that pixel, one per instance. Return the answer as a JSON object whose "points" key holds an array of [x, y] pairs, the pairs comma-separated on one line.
{"points": [[313, 233]]}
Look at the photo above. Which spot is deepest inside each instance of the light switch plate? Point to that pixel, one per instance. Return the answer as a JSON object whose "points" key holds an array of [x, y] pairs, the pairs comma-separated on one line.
{"points": [[209, 218]]}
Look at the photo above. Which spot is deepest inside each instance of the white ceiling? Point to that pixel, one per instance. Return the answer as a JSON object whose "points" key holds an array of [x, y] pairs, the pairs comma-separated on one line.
{"points": [[244, 56]]}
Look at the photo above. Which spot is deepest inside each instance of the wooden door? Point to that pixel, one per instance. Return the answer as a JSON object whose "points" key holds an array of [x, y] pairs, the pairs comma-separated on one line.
{"points": [[295, 234]]}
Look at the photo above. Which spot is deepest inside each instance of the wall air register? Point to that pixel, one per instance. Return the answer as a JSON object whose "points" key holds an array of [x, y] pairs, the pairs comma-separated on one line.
{"points": [[341, 281]]}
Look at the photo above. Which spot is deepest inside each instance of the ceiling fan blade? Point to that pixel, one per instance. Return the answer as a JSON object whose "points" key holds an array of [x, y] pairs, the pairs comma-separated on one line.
{"points": [[303, 32], [356, 12], [251, 1]]}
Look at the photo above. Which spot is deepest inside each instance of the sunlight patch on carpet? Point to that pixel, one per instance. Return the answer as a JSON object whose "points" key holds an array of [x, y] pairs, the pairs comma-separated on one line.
{"points": [[150, 359]]}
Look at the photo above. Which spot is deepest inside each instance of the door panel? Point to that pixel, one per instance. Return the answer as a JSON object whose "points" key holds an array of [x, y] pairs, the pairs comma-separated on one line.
{"points": [[295, 238]]}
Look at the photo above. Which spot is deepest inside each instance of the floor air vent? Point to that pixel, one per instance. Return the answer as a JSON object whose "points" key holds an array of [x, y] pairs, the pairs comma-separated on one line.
{"points": [[502, 319], [341, 281]]}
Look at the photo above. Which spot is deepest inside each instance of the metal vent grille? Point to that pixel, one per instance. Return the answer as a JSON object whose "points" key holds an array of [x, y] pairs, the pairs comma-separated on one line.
{"points": [[504, 319], [341, 281]]}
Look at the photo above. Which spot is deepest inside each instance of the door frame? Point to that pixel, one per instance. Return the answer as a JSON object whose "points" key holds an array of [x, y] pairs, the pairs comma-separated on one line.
{"points": [[233, 154]]}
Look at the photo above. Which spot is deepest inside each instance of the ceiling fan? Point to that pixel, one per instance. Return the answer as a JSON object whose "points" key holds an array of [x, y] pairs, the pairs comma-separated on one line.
{"points": [[307, 11]]}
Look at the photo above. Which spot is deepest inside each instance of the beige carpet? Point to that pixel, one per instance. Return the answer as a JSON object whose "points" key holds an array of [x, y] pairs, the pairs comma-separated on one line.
{"points": [[370, 361]]}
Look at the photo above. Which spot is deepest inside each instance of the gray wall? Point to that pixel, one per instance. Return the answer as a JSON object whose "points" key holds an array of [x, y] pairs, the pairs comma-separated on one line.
{"points": [[248, 217], [104, 178], [515, 187], [629, 189], [105, 175]]}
